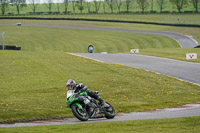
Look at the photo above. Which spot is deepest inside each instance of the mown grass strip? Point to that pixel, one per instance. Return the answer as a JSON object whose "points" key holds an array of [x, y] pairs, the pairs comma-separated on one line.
{"points": [[194, 32], [75, 40]]}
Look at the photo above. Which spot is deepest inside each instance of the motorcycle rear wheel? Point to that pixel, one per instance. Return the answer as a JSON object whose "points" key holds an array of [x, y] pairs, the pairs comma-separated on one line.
{"points": [[110, 114], [80, 114]]}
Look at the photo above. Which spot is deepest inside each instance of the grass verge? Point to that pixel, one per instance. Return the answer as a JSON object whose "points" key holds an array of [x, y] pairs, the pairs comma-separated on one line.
{"points": [[178, 125], [174, 53]]}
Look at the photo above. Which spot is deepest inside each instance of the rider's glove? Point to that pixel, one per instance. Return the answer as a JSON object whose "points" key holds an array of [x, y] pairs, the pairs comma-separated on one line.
{"points": [[84, 89]]}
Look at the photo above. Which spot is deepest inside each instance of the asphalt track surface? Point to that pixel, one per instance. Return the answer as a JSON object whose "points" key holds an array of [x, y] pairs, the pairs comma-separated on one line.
{"points": [[186, 71], [183, 40], [181, 70]]}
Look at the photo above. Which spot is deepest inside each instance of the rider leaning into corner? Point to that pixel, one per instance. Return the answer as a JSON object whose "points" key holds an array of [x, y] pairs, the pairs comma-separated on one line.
{"points": [[78, 88]]}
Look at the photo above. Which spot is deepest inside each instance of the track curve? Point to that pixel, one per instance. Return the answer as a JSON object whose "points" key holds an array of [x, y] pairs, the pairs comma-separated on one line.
{"points": [[183, 40], [181, 70]]}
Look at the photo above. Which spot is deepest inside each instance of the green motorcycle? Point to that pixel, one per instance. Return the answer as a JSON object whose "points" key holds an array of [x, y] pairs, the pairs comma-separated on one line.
{"points": [[88, 108]]}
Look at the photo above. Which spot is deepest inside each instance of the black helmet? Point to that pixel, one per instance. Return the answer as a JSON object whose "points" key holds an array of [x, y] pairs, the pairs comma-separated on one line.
{"points": [[70, 84]]}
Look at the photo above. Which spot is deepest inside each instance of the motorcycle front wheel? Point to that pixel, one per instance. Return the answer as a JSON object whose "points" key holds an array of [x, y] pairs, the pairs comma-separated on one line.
{"points": [[110, 113], [81, 114]]}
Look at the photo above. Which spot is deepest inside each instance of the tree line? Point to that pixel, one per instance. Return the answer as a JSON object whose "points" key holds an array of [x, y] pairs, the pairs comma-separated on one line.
{"points": [[111, 4]]}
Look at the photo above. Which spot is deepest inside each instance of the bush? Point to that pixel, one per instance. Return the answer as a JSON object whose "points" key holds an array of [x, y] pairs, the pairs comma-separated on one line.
{"points": [[165, 12], [189, 12], [39, 13], [153, 12], [10, 14]]}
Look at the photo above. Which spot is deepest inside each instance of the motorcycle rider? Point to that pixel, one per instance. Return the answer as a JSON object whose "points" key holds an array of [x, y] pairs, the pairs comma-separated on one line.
{"points": [[71, 85]]}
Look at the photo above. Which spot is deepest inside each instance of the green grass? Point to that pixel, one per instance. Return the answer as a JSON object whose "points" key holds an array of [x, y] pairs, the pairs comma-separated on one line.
{"points": [[178, 125], [33, 85]]}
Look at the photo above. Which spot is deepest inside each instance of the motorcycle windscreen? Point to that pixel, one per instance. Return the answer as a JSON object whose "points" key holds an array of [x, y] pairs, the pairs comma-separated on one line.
{"points": [[69, 93]]}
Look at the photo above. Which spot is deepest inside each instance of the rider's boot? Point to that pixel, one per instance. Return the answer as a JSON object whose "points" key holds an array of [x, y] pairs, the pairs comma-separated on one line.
{"points": [[102, 103]]}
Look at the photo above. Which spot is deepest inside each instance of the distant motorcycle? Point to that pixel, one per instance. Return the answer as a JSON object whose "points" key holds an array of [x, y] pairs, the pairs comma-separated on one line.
{"points": [[82, 110]]}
